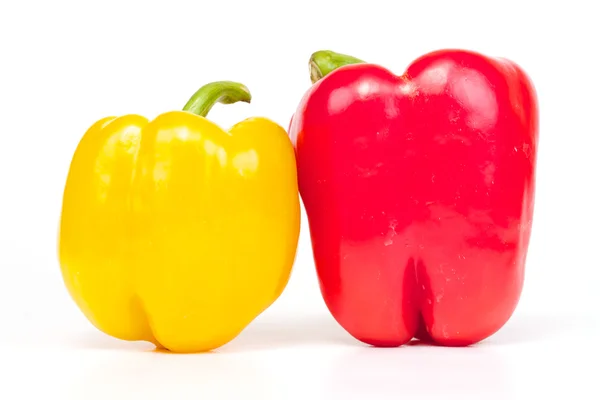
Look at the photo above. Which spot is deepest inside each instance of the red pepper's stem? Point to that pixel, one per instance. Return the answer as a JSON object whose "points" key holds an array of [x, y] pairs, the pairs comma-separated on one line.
{"points": [[324, 61], [225, 92]]}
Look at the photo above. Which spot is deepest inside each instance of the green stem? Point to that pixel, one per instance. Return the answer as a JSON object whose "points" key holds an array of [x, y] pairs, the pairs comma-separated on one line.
{"points": [[324, 61], [224, 92]]}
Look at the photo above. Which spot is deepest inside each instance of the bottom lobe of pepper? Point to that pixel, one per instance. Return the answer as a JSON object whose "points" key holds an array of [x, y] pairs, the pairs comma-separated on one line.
{"points": [[140, 327], [384, 309]]}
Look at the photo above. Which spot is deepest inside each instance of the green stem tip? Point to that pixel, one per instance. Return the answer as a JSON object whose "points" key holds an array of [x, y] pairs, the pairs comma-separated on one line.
{"points": [[324, 61], [224, 92]]}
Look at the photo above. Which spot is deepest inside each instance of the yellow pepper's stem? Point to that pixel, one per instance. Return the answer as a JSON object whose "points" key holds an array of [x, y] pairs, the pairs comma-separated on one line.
{"points": [[225, 92], [324, 61]]}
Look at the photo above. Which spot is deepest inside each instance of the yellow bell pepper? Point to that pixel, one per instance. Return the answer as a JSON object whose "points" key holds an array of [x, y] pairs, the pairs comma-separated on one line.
{"points": [[176, 232]]}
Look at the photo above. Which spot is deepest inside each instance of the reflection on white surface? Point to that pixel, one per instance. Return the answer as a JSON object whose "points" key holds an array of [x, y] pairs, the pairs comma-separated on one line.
{"points": [[310, 357], [420, 372], [168, 376]]}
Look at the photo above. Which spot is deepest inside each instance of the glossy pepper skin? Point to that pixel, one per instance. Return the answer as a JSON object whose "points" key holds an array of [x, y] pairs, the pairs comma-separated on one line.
{"points": [[175, 231], [419, 193]]}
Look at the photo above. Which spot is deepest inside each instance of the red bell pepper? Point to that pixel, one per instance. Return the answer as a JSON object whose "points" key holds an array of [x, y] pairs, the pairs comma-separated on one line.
{"points": [[419, 192]]}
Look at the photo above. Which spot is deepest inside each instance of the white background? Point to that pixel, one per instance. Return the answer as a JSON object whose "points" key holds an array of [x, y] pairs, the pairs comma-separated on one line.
{"points": [[63, 65]]}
